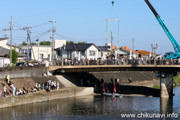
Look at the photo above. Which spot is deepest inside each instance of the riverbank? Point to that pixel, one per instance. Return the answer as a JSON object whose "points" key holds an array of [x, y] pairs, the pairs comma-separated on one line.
{"points": [[45, 96]]}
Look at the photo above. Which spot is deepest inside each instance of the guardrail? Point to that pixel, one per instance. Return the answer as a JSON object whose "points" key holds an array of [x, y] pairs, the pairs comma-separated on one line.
{"points": [[118, 62]]}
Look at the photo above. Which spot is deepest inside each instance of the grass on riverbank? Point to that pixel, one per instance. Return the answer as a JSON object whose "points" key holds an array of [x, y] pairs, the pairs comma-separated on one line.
{"points": [[156, 87], [176, 81]]}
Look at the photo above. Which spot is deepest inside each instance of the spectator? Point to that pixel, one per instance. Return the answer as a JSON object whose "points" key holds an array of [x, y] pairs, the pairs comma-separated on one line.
{"points": [[13, 89], [57, 85], [8, 78], [4, 90], [34, 90], [129, 79]]}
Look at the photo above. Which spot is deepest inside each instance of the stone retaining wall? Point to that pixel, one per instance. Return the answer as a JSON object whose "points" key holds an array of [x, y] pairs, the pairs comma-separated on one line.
{"points": [[44, 96], [24, 73]]}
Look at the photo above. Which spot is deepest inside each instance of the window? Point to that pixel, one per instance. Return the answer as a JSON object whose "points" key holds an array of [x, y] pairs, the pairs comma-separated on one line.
{"points": [[101, 54], [92, 53], [41, 56]]}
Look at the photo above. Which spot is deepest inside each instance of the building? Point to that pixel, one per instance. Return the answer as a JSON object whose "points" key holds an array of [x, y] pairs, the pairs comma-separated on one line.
{"points": [[4, 44], [143, 53], [104, 51], [79, 51], [5, 50], [4, 60], [124, 51], [45, 51]]}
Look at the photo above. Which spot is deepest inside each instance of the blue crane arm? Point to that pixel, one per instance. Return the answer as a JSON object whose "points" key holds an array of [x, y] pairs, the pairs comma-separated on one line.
{"points": [[170, 36], [166, 30]]}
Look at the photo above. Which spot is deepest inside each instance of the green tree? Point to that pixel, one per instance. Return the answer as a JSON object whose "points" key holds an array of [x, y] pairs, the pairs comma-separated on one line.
{"points": [[23, 43], [34, 43], [69, 42], [45, 43], [14, 56], [82, 42]]}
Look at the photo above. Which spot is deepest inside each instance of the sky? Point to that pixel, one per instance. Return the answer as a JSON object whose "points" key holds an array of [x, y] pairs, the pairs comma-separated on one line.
{"points": [[85, 20]]}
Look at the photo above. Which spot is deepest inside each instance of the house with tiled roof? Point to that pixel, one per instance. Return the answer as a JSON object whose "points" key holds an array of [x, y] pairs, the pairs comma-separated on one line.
{"points": [[124, 51], [5, 50], [104, 51], [143, 53], [78, 51]]}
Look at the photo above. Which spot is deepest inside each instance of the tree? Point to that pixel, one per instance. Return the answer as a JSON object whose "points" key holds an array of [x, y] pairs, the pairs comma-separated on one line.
{"points": [[82, 42], [69, 42], [14, 56], [34, 43], [45, 43], [23, 43], [72, 42]]}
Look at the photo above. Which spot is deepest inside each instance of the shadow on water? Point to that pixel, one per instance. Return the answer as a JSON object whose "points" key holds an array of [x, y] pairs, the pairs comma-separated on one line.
{"points": [[123, 89]]}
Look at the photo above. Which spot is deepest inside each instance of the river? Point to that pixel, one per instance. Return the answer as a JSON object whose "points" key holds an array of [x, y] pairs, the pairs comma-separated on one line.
{"points": [[96, 107]]}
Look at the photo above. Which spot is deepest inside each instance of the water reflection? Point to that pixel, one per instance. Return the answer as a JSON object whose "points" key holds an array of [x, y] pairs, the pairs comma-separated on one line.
{"points": [[91, 107]]}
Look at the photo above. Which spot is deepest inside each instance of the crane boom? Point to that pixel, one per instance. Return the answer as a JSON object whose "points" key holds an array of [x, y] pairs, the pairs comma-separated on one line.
{"points": [[168, 33]]}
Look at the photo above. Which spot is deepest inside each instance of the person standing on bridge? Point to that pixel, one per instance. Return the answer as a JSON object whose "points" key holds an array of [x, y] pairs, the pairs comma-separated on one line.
{"points": [[129, 79]]}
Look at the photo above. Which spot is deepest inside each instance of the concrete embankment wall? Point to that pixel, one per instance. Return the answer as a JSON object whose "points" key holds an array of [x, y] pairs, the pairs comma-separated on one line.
{"points": [[24, 73], [44, 96], [124, 75]]}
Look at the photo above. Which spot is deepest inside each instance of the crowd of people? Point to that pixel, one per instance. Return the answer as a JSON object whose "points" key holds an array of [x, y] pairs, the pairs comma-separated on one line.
{"points": [[118, 61], [46, 86]]}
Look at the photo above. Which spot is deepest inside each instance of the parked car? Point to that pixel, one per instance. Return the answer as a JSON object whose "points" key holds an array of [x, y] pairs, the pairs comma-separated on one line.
{"points": [[21, 64]]}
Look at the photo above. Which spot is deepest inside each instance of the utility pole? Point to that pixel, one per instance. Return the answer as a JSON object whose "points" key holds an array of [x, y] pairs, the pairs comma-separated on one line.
{"points": [[154, 47], [52, 41], [38, 47], [111, 42], [11, 44], [133, 46], [6, 31], [28, 40]]}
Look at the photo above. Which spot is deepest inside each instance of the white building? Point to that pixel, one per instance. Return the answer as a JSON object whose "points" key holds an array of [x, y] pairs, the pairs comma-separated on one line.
{"points": [[104, 51], [44, 51], [79, 51], [4, 44], [124, 51], [5, 50]]}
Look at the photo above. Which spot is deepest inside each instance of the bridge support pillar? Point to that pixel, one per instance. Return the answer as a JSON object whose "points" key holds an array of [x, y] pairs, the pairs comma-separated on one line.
{"points": [[166, 84]]}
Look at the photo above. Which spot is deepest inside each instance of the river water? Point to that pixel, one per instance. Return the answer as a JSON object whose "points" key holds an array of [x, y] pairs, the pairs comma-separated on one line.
{"points": [[96, 107]]}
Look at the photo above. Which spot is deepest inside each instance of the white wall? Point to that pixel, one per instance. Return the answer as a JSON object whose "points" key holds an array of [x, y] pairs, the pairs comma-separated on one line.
{"points": [[4, 62], [59, 43], [105, 53], [92, 47], [3, 43], [45, 50]]}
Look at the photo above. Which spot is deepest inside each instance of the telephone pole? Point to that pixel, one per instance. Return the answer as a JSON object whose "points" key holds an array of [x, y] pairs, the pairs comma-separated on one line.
{"points": [[28, 39], [6, 31], [111, 42], [133, 46], [11, 44], [52, 41]]}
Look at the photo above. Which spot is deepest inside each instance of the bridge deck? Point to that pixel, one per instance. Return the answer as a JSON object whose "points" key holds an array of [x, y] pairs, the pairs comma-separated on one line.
{"points": [[94, 68]]}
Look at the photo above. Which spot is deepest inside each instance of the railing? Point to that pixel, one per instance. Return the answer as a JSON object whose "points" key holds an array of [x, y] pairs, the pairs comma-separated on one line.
{"points": [[21, 67], [118, 62]]}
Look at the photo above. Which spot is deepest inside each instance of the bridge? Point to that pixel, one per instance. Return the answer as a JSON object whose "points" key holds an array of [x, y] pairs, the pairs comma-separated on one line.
{"points": [[101, 68], [166, 70]]}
